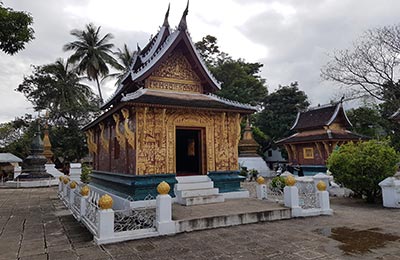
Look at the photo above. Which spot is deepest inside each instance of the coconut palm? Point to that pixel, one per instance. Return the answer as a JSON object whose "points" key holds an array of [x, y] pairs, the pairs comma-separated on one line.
{"points": [[93, 53], [57, 87]]}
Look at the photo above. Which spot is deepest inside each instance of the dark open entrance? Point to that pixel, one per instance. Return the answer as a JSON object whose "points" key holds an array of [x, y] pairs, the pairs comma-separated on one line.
{"points": [[188, 151]]}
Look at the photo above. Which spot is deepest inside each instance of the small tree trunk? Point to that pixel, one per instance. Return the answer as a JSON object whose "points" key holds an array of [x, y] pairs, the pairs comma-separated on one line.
{"points": [[98, 87]]}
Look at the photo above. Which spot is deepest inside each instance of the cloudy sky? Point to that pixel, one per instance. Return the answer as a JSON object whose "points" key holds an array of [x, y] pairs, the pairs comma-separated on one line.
{"points": [[292, 38]]}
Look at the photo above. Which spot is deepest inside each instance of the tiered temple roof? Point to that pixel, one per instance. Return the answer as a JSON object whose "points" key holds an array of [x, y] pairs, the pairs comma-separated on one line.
{"points": [[328, 122], [156, 52]]}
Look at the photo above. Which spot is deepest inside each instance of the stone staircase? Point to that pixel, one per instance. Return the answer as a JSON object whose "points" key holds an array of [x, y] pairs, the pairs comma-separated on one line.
{"points": [[196, 190]]}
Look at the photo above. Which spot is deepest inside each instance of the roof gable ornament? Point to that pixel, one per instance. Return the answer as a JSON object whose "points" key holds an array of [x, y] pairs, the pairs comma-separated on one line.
{"points": [[182, 24], [166, 24]]}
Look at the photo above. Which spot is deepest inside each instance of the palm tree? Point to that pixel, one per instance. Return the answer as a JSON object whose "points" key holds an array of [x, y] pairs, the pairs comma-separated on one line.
{"points": [[67, 97], [92, 53], [125, 57]]}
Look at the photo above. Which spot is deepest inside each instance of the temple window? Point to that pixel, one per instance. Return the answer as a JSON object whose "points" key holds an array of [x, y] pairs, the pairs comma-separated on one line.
{"points": [[308, 153]]}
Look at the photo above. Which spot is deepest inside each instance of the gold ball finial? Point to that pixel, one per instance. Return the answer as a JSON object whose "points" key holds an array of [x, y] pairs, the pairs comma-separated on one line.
{"points": [[85, 190], [163, 188], [321, 186], [105, 202], [290, 181], [66, 180], [260, 180], [73, 185], [61, 178]]}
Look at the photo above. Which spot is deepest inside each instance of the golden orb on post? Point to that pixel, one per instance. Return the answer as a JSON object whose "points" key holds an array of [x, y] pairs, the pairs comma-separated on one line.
{"points": [[290, 181], [66, 180], [73, 185], [260, 180], [321, 186], [163, 188], [85, 190], [105, 202]]}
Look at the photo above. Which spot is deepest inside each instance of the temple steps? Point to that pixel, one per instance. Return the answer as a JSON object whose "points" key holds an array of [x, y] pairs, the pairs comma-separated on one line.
{"points": [[196, 190]]}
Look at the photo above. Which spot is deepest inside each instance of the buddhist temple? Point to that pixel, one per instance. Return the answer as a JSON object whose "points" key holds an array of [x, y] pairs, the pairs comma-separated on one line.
{"points": [[319, 131], [164, 117]]}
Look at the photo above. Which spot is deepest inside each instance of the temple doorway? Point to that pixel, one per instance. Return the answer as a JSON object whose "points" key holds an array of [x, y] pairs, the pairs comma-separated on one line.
{"points": [[189, 151]]}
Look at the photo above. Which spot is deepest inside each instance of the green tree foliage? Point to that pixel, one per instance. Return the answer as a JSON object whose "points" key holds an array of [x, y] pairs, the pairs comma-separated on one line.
{"points": [[15, 30], [240, 79], [361, 166], [367, 121], [93, 53], [280, 111], [56, 87]]}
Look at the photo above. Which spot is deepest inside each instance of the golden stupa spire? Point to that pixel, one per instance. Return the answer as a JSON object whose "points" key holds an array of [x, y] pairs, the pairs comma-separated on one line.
{"points": [[46, 141]]}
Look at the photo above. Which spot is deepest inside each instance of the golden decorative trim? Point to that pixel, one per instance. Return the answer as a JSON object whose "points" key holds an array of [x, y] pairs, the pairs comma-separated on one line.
{"points": [[321, 154], [103, 141], [174, 80], [92, 146], [129, 134], [120, 136]]}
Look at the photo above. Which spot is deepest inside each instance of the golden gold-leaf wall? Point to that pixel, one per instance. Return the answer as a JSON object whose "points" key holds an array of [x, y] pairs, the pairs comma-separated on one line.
{"points": [[155, 139]]}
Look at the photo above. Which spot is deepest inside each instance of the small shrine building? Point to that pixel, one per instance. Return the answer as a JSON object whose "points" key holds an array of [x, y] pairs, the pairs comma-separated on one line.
{"points": [[320, 130], [164, 117]]}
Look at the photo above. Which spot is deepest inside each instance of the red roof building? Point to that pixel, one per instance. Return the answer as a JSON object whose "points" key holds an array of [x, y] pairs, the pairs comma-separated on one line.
{"points": [[320, 130]]}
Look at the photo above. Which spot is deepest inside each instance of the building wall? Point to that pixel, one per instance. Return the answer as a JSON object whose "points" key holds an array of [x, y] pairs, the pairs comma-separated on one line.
{"points": [[146, 141]]}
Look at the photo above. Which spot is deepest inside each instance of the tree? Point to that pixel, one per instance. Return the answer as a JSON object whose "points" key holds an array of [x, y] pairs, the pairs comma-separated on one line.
{"points": [[361, 166], [280, 111], [93, 53], [371, 65], [56, 87], [240, 79], [125, 57], [15, 30], [367, 121]]}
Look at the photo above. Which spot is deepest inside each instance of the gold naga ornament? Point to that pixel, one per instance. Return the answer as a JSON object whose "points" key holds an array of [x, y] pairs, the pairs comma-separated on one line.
{"points": [[104, 142], [129, 134], [163, 188], [120, 136], [92, 146], [105, 202]]}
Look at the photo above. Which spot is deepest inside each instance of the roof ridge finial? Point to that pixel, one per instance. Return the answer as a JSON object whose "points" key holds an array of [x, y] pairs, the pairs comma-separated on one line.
{"points": [[182, 24], [166, 24], [138, 48]]}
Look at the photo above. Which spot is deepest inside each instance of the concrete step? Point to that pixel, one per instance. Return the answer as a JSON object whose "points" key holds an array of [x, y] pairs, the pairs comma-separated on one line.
{"points": [[194, 186], [190, 179], [199, 200], [200, 192], [208, 222]]}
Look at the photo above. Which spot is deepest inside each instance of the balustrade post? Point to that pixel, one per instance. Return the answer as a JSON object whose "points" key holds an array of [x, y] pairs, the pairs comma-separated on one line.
{"points": [[106, 218], [323, 197], [164, 222], [291, 196], [261, 188]]}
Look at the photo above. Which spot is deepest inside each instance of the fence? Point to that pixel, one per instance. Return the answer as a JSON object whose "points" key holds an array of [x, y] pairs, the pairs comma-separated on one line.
{"points": [[305, 196], [108, 225]]}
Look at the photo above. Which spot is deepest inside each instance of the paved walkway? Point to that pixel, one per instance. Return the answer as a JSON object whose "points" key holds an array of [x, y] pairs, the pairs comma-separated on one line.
{"points": [[35, 225]]}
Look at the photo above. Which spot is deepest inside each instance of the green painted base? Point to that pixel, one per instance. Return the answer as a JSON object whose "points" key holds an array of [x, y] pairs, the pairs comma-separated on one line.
{"points": [[132, 187], [226, 181]]}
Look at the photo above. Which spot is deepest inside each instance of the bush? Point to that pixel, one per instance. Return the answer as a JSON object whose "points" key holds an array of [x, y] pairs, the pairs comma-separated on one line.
{"points": [[278, 182], [86, 171], [361, 166]]}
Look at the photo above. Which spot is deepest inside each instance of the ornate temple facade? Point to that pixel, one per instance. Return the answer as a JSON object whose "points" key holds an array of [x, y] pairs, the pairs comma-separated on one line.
{"points": [[320, 130], [164, 117]]}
